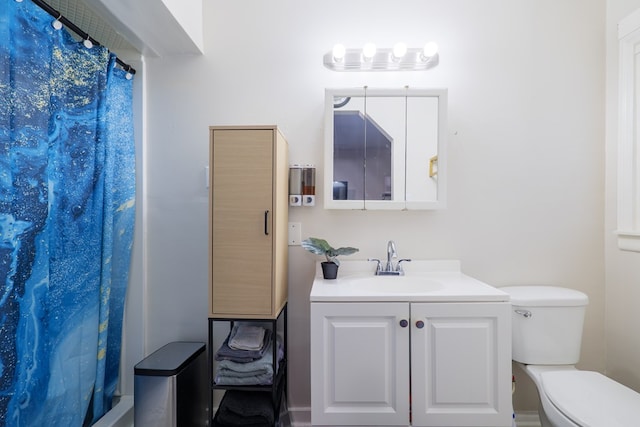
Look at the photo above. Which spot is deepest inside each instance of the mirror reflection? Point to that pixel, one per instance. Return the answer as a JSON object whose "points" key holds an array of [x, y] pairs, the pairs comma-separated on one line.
{"points": [[365, 142]]}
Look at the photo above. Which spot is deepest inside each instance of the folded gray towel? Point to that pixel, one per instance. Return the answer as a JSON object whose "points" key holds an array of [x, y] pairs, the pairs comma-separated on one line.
{"points": [[262, 379], [258, 372], [246, 337], [242, 356]]}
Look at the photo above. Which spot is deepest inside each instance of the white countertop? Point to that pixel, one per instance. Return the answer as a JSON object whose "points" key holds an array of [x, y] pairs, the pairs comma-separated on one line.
{"points": [[444, 282]]}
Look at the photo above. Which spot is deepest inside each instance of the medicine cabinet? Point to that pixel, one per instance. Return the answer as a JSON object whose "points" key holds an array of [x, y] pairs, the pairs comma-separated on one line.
{"points": [[385, 148]]}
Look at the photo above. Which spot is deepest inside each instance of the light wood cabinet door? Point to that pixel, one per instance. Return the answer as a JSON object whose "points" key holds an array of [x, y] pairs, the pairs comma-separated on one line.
{"points": [[247, 223], [360, 364]]}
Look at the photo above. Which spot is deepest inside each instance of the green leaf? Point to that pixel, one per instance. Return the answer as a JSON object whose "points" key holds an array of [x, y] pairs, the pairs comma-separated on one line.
{"points": [[345, 251], [322, 247], [316, 246]]}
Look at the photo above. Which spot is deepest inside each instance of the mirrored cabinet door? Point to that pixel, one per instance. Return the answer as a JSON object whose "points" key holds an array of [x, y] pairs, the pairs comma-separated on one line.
{"points": [[384, 148], [423, 154]]}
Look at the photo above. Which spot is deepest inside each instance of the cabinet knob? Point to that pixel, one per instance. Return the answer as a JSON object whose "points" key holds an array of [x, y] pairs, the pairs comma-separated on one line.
{"points": [[419, 324], [404, 323]]}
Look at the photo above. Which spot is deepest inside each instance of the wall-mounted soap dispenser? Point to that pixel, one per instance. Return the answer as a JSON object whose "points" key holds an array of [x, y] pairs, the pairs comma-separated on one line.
{"points": [[302, 185], [309, 185], [295, 185]]}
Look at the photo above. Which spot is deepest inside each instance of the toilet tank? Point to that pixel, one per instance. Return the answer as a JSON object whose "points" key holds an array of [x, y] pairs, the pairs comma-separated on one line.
{"points": [[546, 324]]}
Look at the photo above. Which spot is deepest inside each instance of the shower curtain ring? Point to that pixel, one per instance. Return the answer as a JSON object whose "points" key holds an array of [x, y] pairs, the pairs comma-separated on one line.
{"points": [[87, 42], [57, 24]]}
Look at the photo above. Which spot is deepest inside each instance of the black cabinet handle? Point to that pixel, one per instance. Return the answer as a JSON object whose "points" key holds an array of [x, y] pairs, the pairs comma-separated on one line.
{"points": [[419, 324], [404, 323], [266, 223]]}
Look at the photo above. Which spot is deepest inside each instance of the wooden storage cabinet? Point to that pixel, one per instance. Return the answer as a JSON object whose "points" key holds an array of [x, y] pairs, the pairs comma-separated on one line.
{"points": [[411, 364], [248, 222]]}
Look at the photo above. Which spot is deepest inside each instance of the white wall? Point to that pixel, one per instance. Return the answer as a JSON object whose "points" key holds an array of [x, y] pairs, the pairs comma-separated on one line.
{"points": [[526, 147], [623, 275]]}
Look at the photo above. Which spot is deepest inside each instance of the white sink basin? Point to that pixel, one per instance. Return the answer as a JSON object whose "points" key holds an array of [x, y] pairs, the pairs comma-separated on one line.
{"points": [[424, 281], [393, 284]]}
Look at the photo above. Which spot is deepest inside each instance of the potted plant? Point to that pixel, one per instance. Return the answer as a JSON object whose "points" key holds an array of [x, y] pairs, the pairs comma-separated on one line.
{"points": [[322, 247]]}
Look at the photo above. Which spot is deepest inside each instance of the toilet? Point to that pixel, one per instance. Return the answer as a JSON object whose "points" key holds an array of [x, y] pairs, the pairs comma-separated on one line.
{"points": [[547, 334]]}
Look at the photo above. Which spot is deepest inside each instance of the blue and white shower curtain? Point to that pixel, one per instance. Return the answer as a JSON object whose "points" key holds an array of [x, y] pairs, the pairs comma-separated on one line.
{"points": [[66, 221]]}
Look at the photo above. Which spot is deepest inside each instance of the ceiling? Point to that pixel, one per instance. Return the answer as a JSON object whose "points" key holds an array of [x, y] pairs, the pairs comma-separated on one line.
{"points": [[82, 16]]}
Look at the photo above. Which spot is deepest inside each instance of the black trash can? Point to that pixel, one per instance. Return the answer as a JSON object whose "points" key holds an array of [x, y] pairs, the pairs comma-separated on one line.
{"points": [[170, 387]]}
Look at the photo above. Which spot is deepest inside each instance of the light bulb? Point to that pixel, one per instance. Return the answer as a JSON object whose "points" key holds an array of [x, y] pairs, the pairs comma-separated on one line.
{"points": [[368, 51], [429, 50], [399, 50], [338, 52]]}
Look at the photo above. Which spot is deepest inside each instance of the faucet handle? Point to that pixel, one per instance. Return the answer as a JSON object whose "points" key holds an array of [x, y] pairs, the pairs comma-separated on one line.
{"points": [[378, 265], [399, 265]]}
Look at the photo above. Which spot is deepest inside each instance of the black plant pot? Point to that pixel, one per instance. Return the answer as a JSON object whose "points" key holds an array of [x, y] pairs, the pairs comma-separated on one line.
{"points": [[329, 270]]}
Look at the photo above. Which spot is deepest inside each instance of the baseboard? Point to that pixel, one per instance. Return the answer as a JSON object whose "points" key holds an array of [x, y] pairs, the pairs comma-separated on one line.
{"points": [[527, 419], [301, 417]]}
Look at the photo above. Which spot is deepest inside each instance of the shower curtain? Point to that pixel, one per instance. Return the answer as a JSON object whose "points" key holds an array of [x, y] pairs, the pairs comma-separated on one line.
{"points": [[66, 221]]}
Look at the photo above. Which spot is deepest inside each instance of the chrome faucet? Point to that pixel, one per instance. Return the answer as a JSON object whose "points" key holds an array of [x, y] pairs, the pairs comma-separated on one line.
{"points": [[389, 269], [391, 253]]}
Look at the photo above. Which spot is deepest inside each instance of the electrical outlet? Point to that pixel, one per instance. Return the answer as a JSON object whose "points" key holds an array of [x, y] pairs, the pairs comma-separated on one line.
{"points": [[295, 233]]}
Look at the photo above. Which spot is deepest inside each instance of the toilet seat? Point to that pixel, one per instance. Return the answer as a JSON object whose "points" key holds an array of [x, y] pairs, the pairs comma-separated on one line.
{"points": [[590, 399]]}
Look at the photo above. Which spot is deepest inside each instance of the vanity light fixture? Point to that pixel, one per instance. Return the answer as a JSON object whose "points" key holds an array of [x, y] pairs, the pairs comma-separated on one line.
{"points": [[399, 51], [338, 53], [371, 58], [368, 52], [429, 49]]}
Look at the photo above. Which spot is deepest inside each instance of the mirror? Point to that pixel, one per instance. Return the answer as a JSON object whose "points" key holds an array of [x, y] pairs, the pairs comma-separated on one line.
{"points": [[385, 148]]}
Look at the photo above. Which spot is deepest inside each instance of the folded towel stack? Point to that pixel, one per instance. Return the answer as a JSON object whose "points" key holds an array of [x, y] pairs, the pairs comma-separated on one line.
{"points": [[245, 408], [250, 366]]}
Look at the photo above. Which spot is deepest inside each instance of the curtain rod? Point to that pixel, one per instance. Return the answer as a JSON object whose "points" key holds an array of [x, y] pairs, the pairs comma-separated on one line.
{"points": [[51, 11]]}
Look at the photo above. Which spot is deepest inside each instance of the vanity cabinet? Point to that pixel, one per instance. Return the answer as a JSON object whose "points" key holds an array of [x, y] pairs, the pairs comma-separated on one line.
{"points": [[248, 222], [403, 363]]}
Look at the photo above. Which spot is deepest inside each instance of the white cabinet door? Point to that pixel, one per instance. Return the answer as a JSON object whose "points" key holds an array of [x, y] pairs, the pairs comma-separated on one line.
{"points": [[360, 364], [460, 366]]}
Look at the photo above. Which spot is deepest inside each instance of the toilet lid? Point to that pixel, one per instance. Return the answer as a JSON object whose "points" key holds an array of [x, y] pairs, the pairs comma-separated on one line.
{"points": [[590, 399]]}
